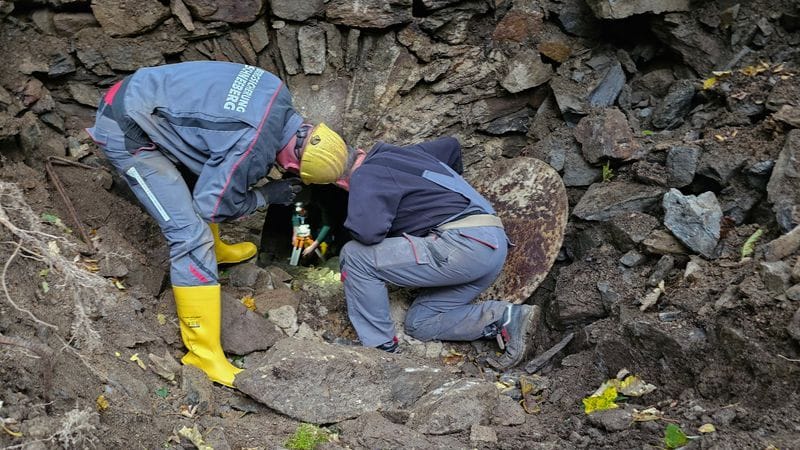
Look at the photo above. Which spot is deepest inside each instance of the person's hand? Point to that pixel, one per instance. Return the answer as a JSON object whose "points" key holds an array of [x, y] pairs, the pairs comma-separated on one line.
{"points": [[310, 249], [281, 192]]}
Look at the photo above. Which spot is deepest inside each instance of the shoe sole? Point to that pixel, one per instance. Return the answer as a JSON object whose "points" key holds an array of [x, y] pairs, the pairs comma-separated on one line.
{"points": [[530, 330]]}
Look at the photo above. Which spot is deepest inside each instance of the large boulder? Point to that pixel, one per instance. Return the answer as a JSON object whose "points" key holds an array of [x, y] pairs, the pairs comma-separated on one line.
{"points": [[602, 201], [129, 17]]}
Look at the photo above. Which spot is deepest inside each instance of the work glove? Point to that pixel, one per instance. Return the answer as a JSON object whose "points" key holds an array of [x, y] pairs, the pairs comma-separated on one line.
{"points": [[281, 191]]}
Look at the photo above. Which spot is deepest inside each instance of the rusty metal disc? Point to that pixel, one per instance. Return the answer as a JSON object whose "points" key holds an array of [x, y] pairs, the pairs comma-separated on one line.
{"points": [[531, 199]]}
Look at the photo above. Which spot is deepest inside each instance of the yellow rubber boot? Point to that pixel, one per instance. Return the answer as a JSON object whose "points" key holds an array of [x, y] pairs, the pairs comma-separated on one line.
{"points": [[231, 253], [200, 313]]}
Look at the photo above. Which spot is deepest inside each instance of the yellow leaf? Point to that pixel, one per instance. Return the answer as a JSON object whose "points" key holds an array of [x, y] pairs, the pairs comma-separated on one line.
{"points": [[525, 386], [249, 302], [709, 83], [135, 357], [101, 402], [162, 319], [721, 73], [52, 247], [117, 354], [719, 137], [707, 428], [601, 402], [754, 70], [118, 284]]}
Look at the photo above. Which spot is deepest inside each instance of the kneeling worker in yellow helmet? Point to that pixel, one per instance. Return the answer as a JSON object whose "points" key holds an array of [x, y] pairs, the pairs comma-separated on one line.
{"points": [[223, 125]]}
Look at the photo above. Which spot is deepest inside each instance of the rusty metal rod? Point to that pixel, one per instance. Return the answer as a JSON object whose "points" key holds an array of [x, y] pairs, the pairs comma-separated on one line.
{"points": [[63, 193]]}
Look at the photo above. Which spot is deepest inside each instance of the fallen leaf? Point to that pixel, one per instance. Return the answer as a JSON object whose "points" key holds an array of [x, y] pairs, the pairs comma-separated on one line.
{"points": [[117, 354], [719, 137], [647, 132], [721, 73], [118, 284], [707, 428], [453, 358], [674, 437], [646, 415], [601, 402], [101, 402], [634, 386], [193, 434], [249, 302], [162, 392], [45, 287], [750, 243], [162, 319], [709, 83], [135, 357], [44, 272], [52, 248]]}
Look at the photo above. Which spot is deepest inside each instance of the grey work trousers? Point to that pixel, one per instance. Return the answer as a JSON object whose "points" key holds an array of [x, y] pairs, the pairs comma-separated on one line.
{"points": [[452, 267], [159, 186]]}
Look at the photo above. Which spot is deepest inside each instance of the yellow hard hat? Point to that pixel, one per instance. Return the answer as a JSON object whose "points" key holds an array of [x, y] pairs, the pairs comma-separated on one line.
{"points": [[324, 156]]}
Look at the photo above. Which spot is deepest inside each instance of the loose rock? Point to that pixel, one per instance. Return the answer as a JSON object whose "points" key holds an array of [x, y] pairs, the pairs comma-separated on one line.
{"points": [[694, 220], [783, 189], [606, 135], [455, 406], [676, 104], [526, 70], [681, 165], [619, 9], [606, 200]]}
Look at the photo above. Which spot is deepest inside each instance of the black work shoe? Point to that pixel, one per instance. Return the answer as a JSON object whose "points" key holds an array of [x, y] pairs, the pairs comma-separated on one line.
{"points": [[515, 335], [392, 346]]}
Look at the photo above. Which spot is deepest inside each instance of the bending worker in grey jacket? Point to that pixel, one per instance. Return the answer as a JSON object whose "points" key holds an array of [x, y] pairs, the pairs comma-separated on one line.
{"points": [[226, 124], [417, 223]]}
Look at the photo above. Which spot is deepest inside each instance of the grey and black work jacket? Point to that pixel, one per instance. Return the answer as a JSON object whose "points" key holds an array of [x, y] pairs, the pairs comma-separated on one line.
{"points": [[224, 121]]}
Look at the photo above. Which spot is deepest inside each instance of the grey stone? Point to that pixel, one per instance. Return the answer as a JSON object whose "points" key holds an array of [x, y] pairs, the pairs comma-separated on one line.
{"points": [[607, 91], [43, 19], [369, 13], [290, 53], [182, 13], [602, 201], [619, 9], [508, 413], [228, 11], [120, 54], [675, 105], [61, 64], [612, 420], [776, 276], [198, 390], [517, 122], [632, 258], [693, 270], [738, 199], [241, 41], [345, 382], [258, 34], [70, 23], [578, 172], [627, 230], [606, 135], [661, 242], [245, 275], [373, 430], [700, 49], [526, 70], [789, 115], [453, 407], [284, 317], [793, 293], [681, 165], [452, 24], [578, 19], [783, 189], [351, 55], [311, 43], [84, 94], [481, 433], [129, 17], [793, 328], [296, 11], [796, 271], [694, 220], [578, 300], [333, 37], [661, 270], [783, 246], [244, 331]]}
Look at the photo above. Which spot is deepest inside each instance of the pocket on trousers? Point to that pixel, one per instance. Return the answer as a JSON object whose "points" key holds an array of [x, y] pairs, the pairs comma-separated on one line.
{"points": [[401, 251]]}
